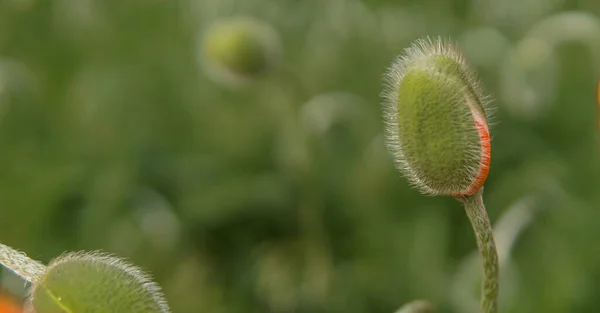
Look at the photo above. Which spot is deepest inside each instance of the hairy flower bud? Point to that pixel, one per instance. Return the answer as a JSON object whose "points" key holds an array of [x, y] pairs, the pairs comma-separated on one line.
{"points": [[238, 49], [92, 282], [435, 118]]}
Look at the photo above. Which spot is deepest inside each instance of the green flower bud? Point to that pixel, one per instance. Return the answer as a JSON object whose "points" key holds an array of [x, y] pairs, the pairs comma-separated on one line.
{"points": [[95, 283], [235, 50], [436, 120]]}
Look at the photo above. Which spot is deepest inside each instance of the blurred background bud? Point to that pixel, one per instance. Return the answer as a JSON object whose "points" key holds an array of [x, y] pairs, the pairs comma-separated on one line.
{"points": [[235, 50]]}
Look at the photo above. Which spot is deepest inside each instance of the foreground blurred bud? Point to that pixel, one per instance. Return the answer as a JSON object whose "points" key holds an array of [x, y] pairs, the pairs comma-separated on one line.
{"points": [[436, 120], [92, 282], [417, 306], [238, 49]]}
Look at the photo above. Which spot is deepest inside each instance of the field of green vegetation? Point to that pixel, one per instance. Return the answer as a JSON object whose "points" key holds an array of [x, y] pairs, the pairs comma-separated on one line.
{"points": [[273, 192]]}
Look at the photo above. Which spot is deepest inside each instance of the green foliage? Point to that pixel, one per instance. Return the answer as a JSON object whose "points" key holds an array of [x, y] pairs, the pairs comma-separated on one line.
{"points": [[114, 137]]}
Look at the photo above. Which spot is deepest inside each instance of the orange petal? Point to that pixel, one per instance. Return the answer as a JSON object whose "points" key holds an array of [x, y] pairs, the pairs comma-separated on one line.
{"points": [[9, 305]]}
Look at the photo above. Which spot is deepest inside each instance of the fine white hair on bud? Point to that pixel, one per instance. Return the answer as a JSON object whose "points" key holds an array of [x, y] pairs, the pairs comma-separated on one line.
{"points": [[95, 282], [436, 119]]}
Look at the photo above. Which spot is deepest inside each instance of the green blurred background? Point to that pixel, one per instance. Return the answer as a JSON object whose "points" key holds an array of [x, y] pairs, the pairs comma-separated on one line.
{"points": [[278, 195]]}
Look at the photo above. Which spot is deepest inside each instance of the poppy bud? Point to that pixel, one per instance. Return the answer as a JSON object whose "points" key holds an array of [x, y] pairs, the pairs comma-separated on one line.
{"points": [[238, 49], [92, 282], [436, 120]]}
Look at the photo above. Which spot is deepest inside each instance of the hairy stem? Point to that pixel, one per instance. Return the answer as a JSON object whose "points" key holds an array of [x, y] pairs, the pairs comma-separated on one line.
{"points": [[18, 262], [487, 248]]}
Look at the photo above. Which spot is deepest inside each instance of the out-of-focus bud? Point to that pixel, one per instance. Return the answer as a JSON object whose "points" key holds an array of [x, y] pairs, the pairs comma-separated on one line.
{"points": [[238, 49]]}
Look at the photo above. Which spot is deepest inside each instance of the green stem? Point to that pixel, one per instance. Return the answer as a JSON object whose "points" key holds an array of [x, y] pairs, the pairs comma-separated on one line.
{"points": [[487, 248], [18, 262]]}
